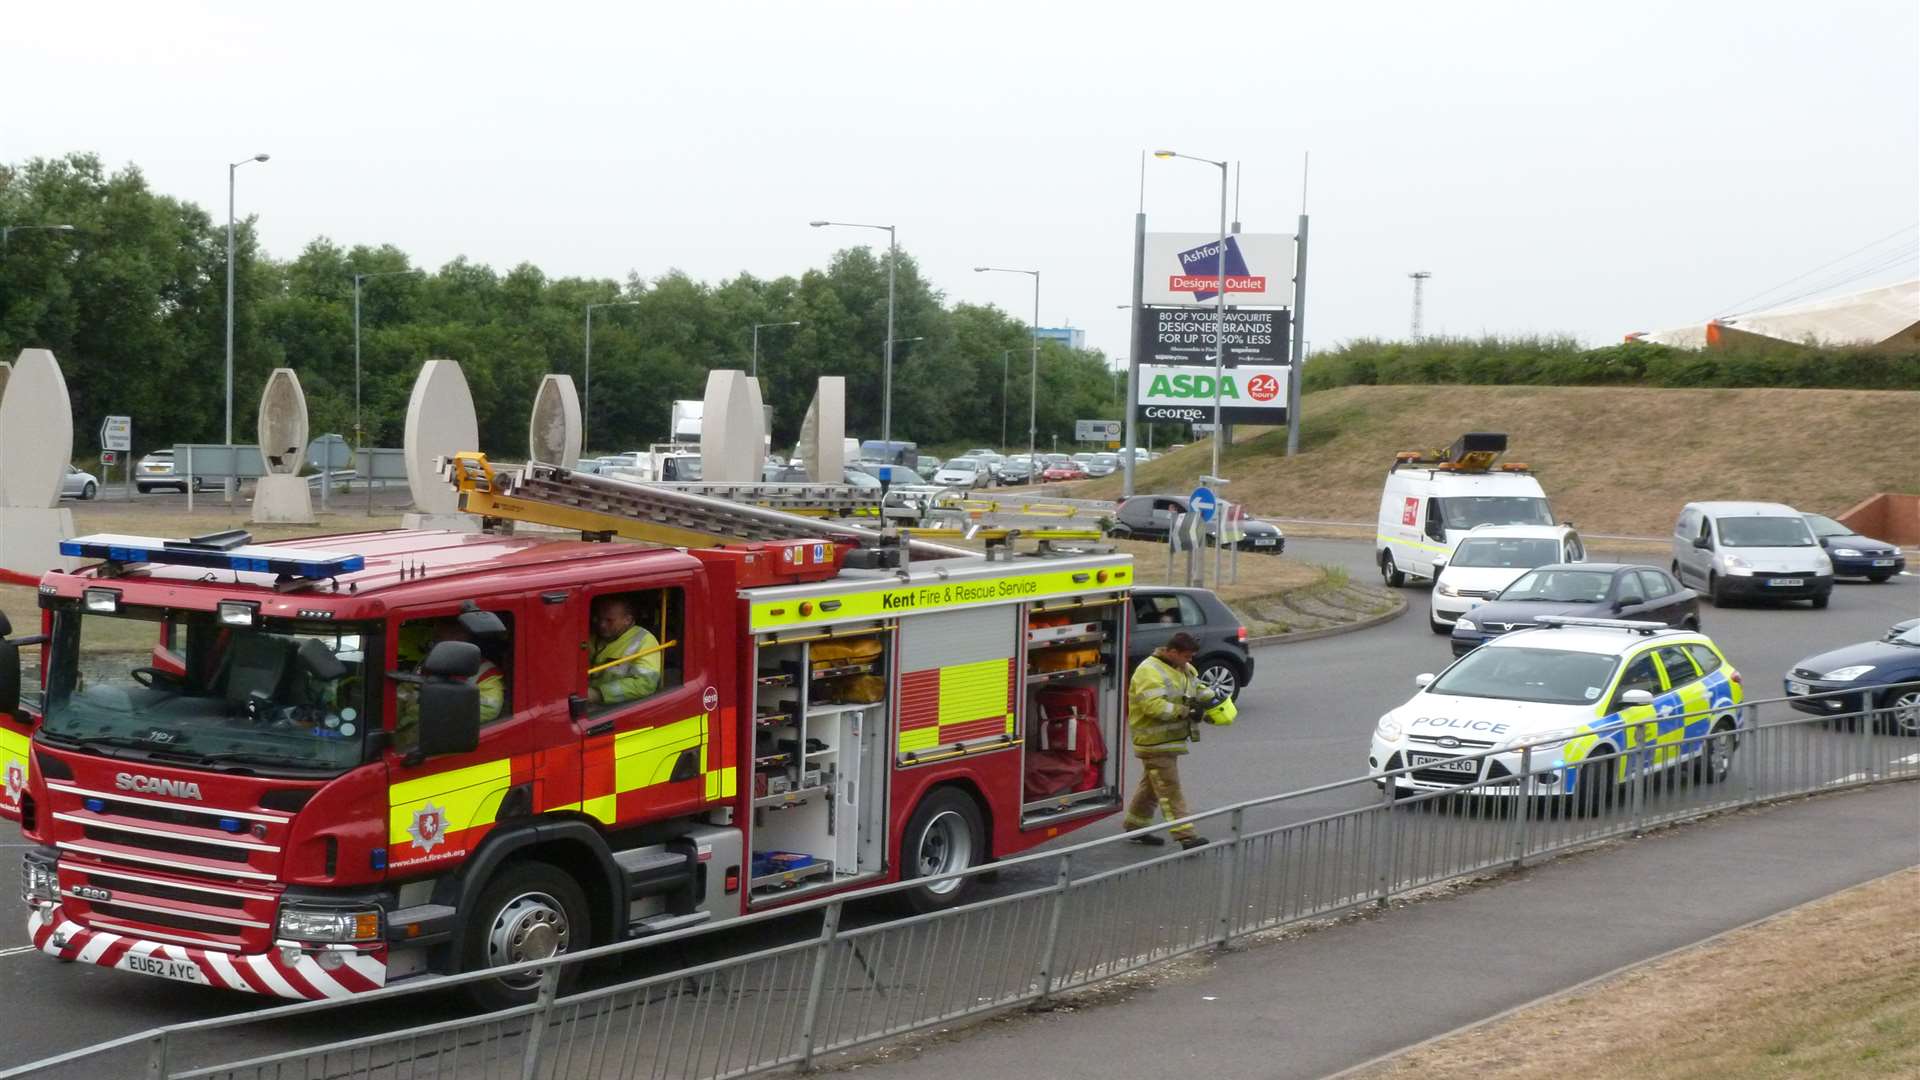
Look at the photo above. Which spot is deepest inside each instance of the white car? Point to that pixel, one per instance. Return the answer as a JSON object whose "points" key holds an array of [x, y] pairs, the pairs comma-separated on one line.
{"points": [[1572, 708], [963, 473], [1490, 558], [79, 484]]}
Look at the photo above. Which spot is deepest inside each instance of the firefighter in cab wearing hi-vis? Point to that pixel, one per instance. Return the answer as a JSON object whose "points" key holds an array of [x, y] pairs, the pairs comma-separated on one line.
{"points": [[1164, 699], [626, 657]]}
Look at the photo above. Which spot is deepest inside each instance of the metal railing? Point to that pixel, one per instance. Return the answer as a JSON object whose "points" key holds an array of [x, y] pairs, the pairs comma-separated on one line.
{"points": [[1273, 862]]}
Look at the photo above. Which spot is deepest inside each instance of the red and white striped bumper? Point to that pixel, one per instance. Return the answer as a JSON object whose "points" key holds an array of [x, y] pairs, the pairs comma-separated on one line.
{"points": [[302, 979]]}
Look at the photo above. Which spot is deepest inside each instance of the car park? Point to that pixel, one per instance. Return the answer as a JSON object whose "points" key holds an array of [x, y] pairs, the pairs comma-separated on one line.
{"points": [[1149, 517], [1567, 709], [1579, 590], [963, 473], [79, 484], [1750, 551], [1883, 676], [1490, 558], [1854, 555], [1103, 464], [1159, 612], [1015, 471], [1057, 471], [158, 470]]}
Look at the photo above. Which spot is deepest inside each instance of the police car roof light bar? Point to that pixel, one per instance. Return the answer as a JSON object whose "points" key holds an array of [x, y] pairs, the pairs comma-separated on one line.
{"points": [[217, 551], [1638, 625]]}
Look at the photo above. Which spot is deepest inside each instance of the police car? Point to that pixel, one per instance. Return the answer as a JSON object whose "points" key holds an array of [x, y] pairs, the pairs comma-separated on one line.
{"points": [[1597, 700]]}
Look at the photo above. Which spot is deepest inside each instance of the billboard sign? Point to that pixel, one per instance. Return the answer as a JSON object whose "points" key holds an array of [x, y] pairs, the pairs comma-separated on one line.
{"points": [[1184, 335], [1096, 430], [1249, 394], [1183, 268]]}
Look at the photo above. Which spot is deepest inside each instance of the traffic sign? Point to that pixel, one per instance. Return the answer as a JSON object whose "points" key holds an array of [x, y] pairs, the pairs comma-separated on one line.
{"points": [[329, 452], [1096, 430], [116, 433], [109, 457], [1204, 503]]}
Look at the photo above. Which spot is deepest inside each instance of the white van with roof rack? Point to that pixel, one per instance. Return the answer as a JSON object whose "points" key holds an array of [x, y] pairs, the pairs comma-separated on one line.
{"points": [[1433, 498]]}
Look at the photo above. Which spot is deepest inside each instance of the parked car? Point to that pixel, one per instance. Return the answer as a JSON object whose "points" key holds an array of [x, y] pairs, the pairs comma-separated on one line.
{"points": [[1750, 550], [1581, 590], [1103, 464], [78, 484], [1161, 611], [926, 465], [156, 471], [963, 473], [1882, 675], [1854, 555], [1585, 697], [1148, 517], [1015, 471], [1083, 457], [1488, 559], [1058, 471], [863, 480]]}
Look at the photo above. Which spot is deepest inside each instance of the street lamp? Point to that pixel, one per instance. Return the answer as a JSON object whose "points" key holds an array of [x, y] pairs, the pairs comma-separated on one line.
{"points": [[8, 230], [586, 407], [1006, 358], [893, 259], [357, 279], [1220, 298], [757, 327], [1033, 375], [232, 168]]}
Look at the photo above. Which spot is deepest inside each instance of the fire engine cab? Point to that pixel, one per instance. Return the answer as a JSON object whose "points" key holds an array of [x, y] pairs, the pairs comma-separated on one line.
{"points": [[313, 768]]}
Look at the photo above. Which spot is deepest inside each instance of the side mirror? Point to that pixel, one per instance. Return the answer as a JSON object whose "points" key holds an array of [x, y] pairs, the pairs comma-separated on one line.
{"points": [[1703, 543], [1636, 697], [1423, 680], [9, 674], [1439, 562], [449, 716], [1628, 601], [452, 660], [320, 661]]}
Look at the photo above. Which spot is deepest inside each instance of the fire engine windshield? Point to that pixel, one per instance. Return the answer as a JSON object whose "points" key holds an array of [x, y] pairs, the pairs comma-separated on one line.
{"points": [[281, 695]]}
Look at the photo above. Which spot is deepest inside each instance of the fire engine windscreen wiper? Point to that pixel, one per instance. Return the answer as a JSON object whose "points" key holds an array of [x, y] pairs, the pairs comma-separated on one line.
{"points": [[95, 743], [257, 757]]}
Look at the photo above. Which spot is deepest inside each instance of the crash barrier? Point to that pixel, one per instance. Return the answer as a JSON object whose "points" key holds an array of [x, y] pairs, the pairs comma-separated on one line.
{"points": [[1072, 917]]}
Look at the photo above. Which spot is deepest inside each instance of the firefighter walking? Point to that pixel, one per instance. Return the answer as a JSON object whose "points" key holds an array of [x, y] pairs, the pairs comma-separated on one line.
{"points": [[1164, 699]]}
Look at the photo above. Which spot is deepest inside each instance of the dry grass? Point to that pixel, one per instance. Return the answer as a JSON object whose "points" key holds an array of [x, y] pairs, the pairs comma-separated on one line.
{"points": [[1260, 575], [1828, 990], [1612, 459]]}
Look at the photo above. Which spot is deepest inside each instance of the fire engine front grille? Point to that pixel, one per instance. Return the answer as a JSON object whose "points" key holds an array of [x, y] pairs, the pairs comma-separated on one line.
{"points": [[147, 887], [146, 917], [167, 844]]}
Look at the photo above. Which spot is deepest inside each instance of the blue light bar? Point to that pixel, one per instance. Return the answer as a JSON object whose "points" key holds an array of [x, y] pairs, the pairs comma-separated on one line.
{"points": [[257, 558]]}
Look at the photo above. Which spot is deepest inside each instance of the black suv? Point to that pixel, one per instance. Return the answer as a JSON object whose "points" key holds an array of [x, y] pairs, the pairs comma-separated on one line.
{"points": [[1161, 611]]}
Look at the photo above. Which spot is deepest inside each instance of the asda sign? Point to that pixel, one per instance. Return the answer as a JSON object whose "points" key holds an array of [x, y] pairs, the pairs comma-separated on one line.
{"points": [[1253, 394]]}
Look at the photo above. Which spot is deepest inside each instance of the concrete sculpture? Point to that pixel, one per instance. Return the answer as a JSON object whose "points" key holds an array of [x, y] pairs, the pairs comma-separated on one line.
{"points": [[553, 435], [733, 436], [281, 494], [6, 369], [36, 445], [440, 424], [823, 448]]}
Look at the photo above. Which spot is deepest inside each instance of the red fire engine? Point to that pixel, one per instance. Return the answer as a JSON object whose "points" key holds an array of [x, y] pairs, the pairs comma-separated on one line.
{"points": [[310, 769]]}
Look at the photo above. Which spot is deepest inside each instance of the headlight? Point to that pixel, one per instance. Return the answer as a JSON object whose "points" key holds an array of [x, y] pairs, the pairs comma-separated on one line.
{"points": [[326, 924], [1738, 566], [1465, 623], [104, 601], [1389, 728], [1848, 674], [39, 881], [1445, 589], [1852, 553]]}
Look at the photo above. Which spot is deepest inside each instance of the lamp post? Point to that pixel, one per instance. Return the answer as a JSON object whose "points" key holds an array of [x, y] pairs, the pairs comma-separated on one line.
{"points": [[893, 259], [357, 279], [232, 168], [1033, 375], [586, 394], [7, 231], [1006, 359], [757, 327], [1220, 298]]}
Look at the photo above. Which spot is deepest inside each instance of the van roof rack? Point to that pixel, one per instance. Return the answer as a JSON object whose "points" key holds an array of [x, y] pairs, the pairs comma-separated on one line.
{"points": [[1474, 452], [1639, 626]]}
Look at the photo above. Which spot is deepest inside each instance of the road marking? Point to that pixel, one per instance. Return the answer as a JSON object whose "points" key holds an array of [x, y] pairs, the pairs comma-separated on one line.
{"points": [[17, 949]]}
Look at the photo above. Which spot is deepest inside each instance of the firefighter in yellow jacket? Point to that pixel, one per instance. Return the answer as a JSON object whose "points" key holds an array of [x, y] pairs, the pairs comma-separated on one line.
{"points": [[617, 637], [1163, 703], [416, 640]]}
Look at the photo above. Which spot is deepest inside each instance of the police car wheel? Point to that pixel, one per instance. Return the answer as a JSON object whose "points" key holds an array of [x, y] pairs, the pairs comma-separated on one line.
{"points": [[1715, 760], [945, 834], [531, 911], [1597, 788]]}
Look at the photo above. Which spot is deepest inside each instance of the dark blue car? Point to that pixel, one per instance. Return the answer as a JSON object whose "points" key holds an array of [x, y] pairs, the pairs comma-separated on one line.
{"points": [[1854, 555], [1879, 675]]}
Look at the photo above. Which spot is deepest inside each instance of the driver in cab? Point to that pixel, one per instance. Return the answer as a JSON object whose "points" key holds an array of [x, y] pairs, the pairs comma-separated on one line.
{"points": [[417, 639]]}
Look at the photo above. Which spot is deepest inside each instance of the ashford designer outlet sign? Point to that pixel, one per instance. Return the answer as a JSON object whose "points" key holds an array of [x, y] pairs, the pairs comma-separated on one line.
{"points": [[1249, 394]]}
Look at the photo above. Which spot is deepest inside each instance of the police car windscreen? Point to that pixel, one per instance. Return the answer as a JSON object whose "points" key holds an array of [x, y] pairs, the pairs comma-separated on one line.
{"points": [[1466, 511], [1511, 553], [1550, 676], [1764, 532], [1561, 586]]}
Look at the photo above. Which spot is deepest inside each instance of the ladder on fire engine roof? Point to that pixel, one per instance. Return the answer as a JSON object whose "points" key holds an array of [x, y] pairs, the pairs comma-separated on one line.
{"points": [[673, 516]]}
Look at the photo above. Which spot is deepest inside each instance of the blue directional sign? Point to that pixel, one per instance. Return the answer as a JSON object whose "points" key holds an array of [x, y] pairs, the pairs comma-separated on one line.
{"points": [[1204, 502]]}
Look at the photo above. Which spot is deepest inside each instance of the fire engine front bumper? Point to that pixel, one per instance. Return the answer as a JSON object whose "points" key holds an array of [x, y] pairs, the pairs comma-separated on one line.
{"points": [[302, 974]]}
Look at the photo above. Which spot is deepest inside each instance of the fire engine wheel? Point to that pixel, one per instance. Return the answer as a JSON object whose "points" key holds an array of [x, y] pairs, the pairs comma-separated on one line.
{"points": [[944, 835], [531, 911]]}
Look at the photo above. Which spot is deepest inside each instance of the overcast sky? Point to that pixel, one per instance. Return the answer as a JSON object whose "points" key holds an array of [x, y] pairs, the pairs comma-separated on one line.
{"points": [[1590, 169]]}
